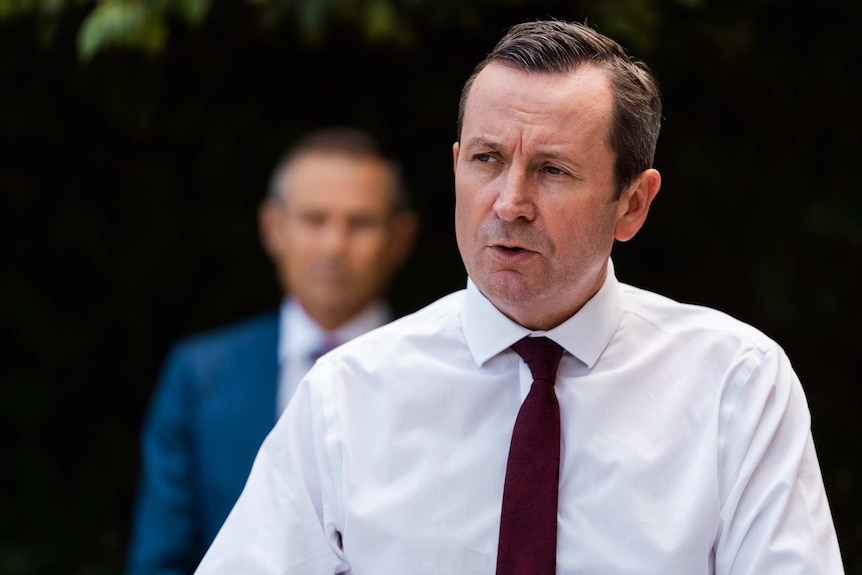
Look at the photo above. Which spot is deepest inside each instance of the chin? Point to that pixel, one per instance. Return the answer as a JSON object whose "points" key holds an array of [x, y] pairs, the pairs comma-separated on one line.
{"points": [[509, 287]]}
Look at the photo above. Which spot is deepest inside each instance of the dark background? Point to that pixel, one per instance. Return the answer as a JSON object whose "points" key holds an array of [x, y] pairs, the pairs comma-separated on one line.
{"points": [[129, 185]]}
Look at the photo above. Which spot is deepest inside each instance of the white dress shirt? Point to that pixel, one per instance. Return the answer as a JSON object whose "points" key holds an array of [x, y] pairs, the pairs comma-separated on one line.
{"points": [[686, 450], [301, 341]]}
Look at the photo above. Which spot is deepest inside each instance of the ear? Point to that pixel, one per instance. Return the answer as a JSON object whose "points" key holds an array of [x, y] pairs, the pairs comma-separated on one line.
{"points": [[634, 204], [269, 226], [405, 226], [456, 149]]}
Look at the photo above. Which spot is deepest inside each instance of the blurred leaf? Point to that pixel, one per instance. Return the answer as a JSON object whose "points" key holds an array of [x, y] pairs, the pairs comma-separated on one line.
{"points": [[381, 21], [12, 8], [192, 11], [635, 21], [312, 17], [125, 24], [48, 14]]}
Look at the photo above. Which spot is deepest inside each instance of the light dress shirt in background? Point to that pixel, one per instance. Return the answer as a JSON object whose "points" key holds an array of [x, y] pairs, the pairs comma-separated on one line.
{"points": [[301, 341], [686, 450]]}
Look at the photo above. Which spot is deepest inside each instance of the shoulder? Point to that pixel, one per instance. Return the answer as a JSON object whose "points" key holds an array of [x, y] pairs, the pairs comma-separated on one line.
{"points": [[722, 356], [224, 343], [431, 318], [688, 322], [237, 352], [435, 322], [244, 332]]}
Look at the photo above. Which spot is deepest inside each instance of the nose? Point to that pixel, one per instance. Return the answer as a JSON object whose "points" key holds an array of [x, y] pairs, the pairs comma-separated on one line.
{"points": [[334, 238], [516, 198]]}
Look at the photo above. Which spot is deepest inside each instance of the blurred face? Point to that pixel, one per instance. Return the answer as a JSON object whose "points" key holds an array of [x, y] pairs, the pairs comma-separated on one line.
{"points": [[534, 185], [334, 239]]}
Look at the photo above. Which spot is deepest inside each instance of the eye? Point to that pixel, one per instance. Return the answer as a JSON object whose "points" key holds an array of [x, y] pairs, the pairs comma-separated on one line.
{"points": [[312, 219], [554, 171], [483, 158], [360, 223]]}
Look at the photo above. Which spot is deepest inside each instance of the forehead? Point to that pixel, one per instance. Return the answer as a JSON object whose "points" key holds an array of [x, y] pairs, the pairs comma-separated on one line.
{"points": [[337, 180], [538, 107]]}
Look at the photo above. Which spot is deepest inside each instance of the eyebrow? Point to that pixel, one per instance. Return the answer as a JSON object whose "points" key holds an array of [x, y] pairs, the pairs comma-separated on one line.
{"points": [[561, 158], [482, 142]]}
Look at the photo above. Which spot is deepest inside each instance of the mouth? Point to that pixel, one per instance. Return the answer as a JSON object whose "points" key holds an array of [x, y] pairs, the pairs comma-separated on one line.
{"points": [[329, 273], [510, 254], [510, 248]]}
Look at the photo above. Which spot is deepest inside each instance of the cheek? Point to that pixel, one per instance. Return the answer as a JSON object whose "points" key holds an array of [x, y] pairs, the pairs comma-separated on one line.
{"points": [[299, 252], [583, 232], [462, 225], [299, 246], [470, 209], [367, 251]]}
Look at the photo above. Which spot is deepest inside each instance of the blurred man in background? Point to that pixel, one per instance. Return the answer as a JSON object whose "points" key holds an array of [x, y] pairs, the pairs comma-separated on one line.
{"points": [[337, 227]]}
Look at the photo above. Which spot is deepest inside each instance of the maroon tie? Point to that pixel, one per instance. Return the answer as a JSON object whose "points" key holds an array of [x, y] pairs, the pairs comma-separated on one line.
{"points": [[528, 521]]}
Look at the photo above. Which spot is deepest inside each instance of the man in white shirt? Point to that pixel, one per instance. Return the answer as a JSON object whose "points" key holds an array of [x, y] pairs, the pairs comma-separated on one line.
{"points": [[685, 436], [336, 226]]}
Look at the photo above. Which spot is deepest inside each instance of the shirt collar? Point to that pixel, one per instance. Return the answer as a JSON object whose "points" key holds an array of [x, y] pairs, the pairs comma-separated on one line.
{"points": [[584, 335], [299, 335]]}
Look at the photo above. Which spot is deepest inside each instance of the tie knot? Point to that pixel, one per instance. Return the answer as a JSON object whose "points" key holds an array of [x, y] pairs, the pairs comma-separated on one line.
{"points": [[541, 355]]}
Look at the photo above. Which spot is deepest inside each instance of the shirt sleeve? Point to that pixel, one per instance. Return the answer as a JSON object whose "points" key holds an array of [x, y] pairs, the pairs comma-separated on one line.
{"points": [[775, 518], [285, 521]]}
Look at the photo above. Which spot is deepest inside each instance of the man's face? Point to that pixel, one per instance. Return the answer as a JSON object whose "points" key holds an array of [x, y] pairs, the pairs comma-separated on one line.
{"points": [[336, 241], [534, 184]]}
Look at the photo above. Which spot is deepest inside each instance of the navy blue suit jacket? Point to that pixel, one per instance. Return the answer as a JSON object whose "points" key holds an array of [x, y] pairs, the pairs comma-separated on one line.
{"points": [[213, 406]]}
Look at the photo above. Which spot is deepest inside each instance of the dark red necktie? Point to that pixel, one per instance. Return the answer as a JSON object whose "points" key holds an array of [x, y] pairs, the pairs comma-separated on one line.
{"points": [[528, 522]]}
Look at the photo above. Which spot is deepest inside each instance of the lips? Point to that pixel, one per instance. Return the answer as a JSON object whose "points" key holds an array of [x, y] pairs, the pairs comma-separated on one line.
{"points": [[329, 273], [511, 241], [510, 253], [509, 246]]}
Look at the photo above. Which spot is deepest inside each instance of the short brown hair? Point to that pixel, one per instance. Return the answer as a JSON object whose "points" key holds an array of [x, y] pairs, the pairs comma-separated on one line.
{"points": [[345, 141]]}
